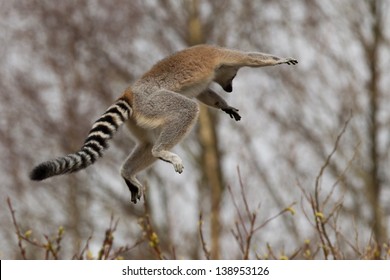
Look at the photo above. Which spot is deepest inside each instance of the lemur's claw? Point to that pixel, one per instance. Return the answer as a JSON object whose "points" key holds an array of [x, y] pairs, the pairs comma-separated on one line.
{"points": [[291, 61]]}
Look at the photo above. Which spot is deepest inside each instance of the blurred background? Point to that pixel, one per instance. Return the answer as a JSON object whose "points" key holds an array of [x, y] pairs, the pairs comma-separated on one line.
{"points": [[304, 174]]}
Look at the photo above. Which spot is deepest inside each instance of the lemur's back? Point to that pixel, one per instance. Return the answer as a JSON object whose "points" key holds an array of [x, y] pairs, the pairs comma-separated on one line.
{"points": [[179, 71]]}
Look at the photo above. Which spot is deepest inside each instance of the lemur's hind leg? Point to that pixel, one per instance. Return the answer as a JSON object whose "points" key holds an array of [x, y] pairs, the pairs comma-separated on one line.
{"points": [[179, 114], [139, 159]]}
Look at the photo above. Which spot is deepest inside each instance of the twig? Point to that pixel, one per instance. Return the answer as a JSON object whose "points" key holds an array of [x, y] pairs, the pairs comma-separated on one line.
{"points": [[327, 161], [237, 209], [287, 209], [238, 236], [203, 242], [248, 212], [349, 164], [84, 250], [17, 229], [108, 241], [149, 232], [249, 236], [244, 240], [270, 251], [320, 220]]}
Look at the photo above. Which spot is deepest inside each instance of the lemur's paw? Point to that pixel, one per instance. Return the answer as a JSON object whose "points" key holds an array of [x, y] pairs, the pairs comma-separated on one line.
{"points": [[136, 195], [136, 192], [291, 61], [232, 112], [172, 158], [179, 167], [177, 163]]}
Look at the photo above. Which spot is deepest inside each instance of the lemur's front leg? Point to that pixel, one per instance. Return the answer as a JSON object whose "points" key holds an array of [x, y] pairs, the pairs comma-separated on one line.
{"points": [[211, 98], [256, 59]]}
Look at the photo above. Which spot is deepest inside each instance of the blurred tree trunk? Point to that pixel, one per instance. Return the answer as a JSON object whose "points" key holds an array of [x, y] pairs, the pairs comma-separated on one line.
{"points": [[207, 135], [372, 56], [211, 169]]}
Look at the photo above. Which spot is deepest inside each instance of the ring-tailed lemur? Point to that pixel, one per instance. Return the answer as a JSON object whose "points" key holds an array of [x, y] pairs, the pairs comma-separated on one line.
{"points": [[159, 110]]}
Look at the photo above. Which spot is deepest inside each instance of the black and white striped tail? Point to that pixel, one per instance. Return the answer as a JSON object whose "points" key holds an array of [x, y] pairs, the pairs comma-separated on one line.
{"points": [[97, 141]]}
